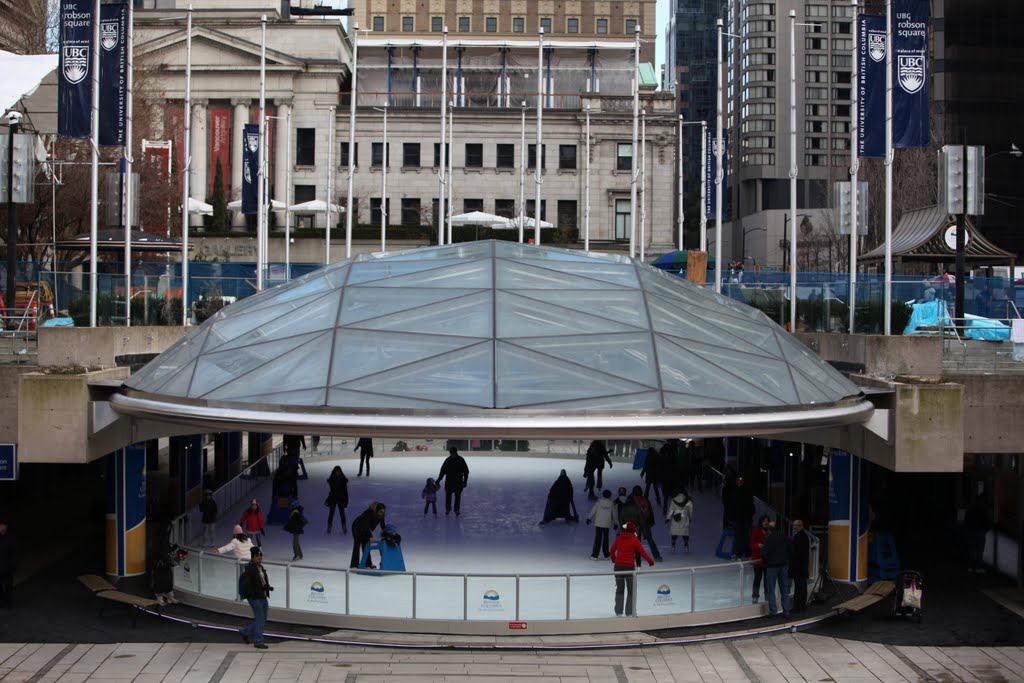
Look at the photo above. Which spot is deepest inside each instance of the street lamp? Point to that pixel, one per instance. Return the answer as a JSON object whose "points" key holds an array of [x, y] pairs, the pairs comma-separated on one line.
{"points": [[785, 244], [743, 243]]}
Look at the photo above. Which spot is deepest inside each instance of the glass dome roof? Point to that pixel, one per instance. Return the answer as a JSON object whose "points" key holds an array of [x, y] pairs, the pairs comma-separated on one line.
{"points": [[491, 325]]}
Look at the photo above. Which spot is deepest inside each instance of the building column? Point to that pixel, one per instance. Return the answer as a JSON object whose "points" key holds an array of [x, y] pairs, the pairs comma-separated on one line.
{"points": [[126, 511], [198, 160], [238, 121], [227, 455], [282, 133], [185, 454], [847, 518]]}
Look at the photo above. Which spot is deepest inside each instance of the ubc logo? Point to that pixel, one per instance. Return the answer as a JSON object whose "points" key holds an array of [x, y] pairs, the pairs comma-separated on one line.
{"points": [[910, 72], [876, 45], [76, 63], [252, 141], [108, 34]]}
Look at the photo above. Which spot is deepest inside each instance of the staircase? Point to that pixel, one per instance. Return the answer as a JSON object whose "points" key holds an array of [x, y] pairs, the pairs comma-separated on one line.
{"points": [[979, 358]]}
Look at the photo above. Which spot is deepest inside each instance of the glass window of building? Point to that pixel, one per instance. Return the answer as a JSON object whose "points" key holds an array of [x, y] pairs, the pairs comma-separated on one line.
{"points": [[567, 157], [630, 26], [518, 24], [491, 24], [622, 219], [545, 24], [343, 157], [602, 26], [437, 154], [506, 156], [506, 208], [375, 210], [408, 24], [567, 213], [377, 155], [305, 146], [572, 25], [411, 211], [436, 24], [474, 155], [816, 11], [470, 205], [624, 156], [305, 193], [378, 23], [530, 203], [411, 154], [531, 156], [463, 24]]}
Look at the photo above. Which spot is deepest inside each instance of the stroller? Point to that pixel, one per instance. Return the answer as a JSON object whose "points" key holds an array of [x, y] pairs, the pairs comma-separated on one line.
{"points": [[907, 602]]}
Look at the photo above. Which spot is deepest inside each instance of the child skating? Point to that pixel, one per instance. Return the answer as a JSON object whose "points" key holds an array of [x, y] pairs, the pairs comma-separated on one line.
{"points": [[429, 496]]}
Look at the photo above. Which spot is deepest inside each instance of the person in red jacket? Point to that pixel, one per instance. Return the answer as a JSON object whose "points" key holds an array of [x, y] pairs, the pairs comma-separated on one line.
{"points": [[623, 555], [252, 522], [756, 541]]}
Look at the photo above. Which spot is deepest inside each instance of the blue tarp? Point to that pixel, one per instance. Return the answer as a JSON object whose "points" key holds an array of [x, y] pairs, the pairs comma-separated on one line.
{"points": [[928, 314]]}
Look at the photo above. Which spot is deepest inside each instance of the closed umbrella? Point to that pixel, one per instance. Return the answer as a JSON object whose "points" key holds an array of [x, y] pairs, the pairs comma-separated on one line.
{"points": [[202, 208], [275, 205]]}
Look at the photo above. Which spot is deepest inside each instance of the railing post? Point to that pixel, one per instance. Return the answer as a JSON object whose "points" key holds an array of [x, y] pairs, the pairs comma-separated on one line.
{"points": [[348, 593], [288, 586], [566, 598], [465, 597], [414, 595], [199, 573], [693, 590], [741, 583], [634, 594], [517, 597]]}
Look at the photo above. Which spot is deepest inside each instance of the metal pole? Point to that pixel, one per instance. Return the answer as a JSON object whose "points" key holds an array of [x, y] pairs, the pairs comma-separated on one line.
{"points": [[330, 183], [887, 301], [679, 153], [854, 168], [287, 196], [128, 171], [792, 170], [384, 187], [261, 215], [586, 186], [94, 183], [522, 171], [703, 186], [451, 159], [633, 150], [719, 171], [12, 218], [539, 154], [351, 145], [442, 162], [961, 243], [643, 181], [185, 180]]}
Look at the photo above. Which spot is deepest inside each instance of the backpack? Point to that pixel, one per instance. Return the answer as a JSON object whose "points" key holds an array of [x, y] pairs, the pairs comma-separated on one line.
{"points": [[645, 508]]}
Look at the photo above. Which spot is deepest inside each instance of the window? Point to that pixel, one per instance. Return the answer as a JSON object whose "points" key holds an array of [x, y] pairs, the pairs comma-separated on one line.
{"points": [[469, 205], [761, 26], [816, 11], [506, 156], [622, 219], [463, 24], [530, 213], [815, 43], [815, 110], [814, 143], [760, 9], [437, 154], [844, 44], [305, 146], [759, 142], [568, 215], [758, 126], [815, 159], [572, 25], [531, 156], [474, 155], [436, 24], [841, 144], [343, 156], [815, 60], [841, 127], [410, 211], [378, 23], [758, 59], [813, 126], [408, 25], [377, 155], [842, 27], [841, 110], [305, 193], [545, 24], [375, 210], [518, 25], [624, 156], [491, 24], [567, 157], [842, 61], [760, 43], [410, 154], [843, 11], [816, 76], [506, 208], [816, 93], [630, 26], [759, 159], [840, 93], [602, 26]]}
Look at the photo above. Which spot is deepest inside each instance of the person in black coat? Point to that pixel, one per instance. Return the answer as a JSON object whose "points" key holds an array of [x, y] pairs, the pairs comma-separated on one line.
{"points": [[456, 470], [337, 498], [365, 448], [597, 456], [254, 586], [362, 530], [671, 481], [652, 474], [560, 502], [740, 512], [7, 565], [799, 560]]}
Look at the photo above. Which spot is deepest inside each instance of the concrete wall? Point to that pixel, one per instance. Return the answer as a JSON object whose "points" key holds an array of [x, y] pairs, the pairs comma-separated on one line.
{"points": [[993, 405], [881, 356], [98, 346], [9, 375]]}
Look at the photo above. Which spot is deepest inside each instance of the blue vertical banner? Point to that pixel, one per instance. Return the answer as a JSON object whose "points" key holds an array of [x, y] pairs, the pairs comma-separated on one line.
{"points": [[250, 167], [871, 86], [126, 511], [711, 169], [113, 73], [74, 82], [910, 124]]}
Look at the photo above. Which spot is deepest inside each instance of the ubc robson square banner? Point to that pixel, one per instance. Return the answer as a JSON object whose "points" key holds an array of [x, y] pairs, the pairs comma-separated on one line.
{"points": [[250, 167], [871, 86], [711, 169], [219, 137], [113, 73], [910, 124], [74, 82]]}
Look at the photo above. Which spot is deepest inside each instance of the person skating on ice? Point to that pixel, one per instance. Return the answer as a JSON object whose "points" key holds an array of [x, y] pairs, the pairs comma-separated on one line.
{"points": [[252, 522], [429, 496], [337, 498], [363, 527], [456, 470], [560, 503], [239, 545], [365, 448], [605, 518], [295, 525], [208, 508], [680, 513], [597, 456], [637, 509], [624, 553]]}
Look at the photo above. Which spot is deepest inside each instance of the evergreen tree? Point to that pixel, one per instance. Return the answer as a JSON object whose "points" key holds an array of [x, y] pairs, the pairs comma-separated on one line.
{"points": [[219, 201]]}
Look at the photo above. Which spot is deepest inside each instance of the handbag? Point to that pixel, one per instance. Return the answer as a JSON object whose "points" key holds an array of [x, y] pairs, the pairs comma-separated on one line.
{"points": [[329, 501]]}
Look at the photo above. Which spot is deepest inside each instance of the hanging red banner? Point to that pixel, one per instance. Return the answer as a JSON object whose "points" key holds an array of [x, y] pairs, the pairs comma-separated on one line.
{"points": [[219, 138]]}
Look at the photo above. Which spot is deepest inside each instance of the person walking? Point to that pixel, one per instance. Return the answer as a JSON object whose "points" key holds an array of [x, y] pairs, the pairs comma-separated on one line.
{"points": [[651, 473], [597, 456], [252, 522], [605, 517], [365, 448], [7, 565], [775, 553], [337, 498], [429, 496], [757, 537], [671, 479], [799, 564], [295, 525], [239, 545], [637, 509], [680, 512], [456, 470], [624, 553], [741, 512], [254, 587], [208, 508], [362, 531]]}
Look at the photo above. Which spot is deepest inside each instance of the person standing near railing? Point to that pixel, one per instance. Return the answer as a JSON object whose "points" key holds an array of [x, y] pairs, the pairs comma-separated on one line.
{"points": [[208, 508], [254, 587], [799, 561], [776, 555], [252, 521], [624, 552], [756, 543]]}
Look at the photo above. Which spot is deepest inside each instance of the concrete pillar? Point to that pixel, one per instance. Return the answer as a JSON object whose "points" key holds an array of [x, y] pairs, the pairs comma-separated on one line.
{"points": [[282, 132], [239, 118], [227, 450], [126, 511], [847, 518], [186, 471], [198, 153]]}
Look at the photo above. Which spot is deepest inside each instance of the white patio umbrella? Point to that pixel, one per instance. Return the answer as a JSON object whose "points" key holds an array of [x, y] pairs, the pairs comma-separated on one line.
{"points": [[315, 206], [202, 208], [477, 218], [513, 224], [275, 205]]}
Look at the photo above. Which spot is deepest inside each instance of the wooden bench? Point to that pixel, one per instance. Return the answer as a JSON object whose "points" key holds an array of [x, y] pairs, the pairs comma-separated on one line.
{"points": [[102, 588], [875, 593]]}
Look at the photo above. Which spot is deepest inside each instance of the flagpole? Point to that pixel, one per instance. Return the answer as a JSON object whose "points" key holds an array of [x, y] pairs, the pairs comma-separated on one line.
{"points": [[704, 186], [679, 153], [887, 301], [351, 145], [186, 152], [384, 186], [522, 170], [261, 177], [287, 194], [793, 171], [331, 113], [719, 174], [451, 159], [128, 170], [643, 180], [442, 162], [94, 180], [854, 165], [586, 191], [538, 157], [636, 134]]}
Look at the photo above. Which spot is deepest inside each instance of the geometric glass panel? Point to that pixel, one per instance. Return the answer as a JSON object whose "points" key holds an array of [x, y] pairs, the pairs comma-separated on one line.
{"points": [[300, 397], [644, 400], [215, 369], [769, 374], [629, 356], [370, 399], [461, 251], [365, 301], [683, 372], [171, 361], [519, 275], [302, 368], [620, 305], [824, 374], [471, 274], [381, 270], [809, 391], [464, 316], [521, 317], [672, 319], [318, 315], [622, 275], [231, 327], [690, 402], [515, 250], [177, 384], [359, 353]]}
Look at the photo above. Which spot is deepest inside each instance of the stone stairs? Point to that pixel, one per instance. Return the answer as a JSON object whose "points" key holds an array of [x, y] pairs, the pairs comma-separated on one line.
{"points": [[979, 358], [18, 349]]}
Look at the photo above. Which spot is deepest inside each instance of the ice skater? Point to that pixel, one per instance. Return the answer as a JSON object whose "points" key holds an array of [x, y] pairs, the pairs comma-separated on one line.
{"points": [[362, 531], [651, 473], [365, 448], [597, 456], [429, 496], [337, 498], [637, 509], [605, 517], [455, 468], [560, 501], [680, 512], [239, 545], [624, 553], [295, 525], [208, 508], [252, 521]]}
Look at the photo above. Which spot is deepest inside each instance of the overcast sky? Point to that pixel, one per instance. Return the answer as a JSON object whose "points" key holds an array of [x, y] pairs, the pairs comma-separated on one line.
{"points": [[664, 7]]}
